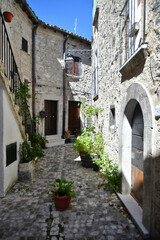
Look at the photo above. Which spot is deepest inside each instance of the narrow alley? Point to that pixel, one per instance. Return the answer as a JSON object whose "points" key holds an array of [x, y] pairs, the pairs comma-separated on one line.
{"points": [[27, 212]]}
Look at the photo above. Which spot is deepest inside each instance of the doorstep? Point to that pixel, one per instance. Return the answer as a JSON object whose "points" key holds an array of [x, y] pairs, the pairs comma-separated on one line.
{"points": [[54, 140], [135, 211]]}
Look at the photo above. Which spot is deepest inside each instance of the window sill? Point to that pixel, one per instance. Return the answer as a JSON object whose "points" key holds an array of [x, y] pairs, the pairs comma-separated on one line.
{"points": [[25, 52], [95, 97], [134, 62]]}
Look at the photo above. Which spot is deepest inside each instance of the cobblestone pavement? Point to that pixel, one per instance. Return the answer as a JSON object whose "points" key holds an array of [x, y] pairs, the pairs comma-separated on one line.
{"points": [[28, 213]]}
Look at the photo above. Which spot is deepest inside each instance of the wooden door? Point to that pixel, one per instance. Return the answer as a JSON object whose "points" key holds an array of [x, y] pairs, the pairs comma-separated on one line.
{"points": [[74, 117], [50, 117], [137, 155]]}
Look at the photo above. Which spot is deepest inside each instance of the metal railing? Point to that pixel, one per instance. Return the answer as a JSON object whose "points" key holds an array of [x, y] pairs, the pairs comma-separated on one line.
{"points": [[6, 55], [10, 67], [132, 28]]}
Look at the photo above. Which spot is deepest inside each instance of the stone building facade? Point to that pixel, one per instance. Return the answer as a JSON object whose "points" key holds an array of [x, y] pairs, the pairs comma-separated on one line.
{"points": [[38, 51], [50, 80], [126, 74]]}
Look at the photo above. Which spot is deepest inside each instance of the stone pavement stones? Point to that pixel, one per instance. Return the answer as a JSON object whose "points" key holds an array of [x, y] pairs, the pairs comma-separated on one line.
{"points": [[27, 212]]}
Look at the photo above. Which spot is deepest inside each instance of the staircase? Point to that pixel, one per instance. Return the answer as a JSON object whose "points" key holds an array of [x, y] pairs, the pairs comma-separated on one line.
{"points": [[10, 77]]}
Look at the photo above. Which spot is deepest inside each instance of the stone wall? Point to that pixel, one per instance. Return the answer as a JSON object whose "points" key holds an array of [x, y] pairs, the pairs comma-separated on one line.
{"points": [[112, 88]]}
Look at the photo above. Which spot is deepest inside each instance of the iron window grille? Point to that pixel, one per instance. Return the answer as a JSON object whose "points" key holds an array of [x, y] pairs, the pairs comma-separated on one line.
{"points": [[132, 28]]}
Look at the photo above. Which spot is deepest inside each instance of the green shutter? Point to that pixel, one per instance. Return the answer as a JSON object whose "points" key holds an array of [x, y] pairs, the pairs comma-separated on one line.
{"points": [[94, 8]]}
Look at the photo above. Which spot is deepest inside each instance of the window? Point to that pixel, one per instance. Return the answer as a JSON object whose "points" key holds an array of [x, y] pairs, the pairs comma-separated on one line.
{"points": [[95, 76], [131, 33], [73, 65], [24, 45], [11, 153], [112, 116]]}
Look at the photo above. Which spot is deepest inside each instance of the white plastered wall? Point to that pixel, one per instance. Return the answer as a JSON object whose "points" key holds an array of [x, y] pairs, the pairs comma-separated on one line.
{"points": [[10, 133]]}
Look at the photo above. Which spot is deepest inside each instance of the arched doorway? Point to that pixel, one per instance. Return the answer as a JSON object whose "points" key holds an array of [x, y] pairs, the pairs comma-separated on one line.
{"points": [[138, 97], [137, 155]]}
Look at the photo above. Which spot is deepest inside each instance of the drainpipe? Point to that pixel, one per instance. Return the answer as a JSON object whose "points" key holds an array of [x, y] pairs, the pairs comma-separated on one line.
{"points": [[144, 21], [64, 87], [34, 74]]}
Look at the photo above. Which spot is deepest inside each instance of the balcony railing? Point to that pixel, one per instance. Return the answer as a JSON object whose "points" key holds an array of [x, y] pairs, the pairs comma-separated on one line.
{"points": [[132, 28], [10, 66]]}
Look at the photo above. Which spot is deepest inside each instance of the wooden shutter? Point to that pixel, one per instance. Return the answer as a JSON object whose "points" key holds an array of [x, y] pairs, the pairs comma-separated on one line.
{"points": [[76, 68]]}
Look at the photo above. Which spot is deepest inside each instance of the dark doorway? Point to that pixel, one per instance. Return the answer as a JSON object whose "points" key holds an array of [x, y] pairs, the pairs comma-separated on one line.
{"points": [[74, 117], [50, 117], [137, 155]]}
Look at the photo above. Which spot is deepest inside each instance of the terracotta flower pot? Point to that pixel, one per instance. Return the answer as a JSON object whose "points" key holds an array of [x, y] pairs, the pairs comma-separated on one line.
{"points": [[62, 203], [7, 16], [67, 135]]}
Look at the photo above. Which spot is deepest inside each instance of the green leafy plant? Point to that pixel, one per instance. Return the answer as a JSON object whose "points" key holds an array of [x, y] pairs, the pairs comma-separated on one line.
{"points": [[110, 169], [84, 143], [39, 140], [36, 151], [89, 110], [62, 187], [23, 96], [98, 145], [25, 152], [28, 153]]}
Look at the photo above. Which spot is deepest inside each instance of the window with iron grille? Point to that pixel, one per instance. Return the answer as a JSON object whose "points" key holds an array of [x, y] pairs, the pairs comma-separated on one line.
{"points": [[24, 45], [131, 29]]}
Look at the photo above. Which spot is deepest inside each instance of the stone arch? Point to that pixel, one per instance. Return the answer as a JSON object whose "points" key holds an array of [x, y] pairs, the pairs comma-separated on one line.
{"points": [[136, 93]]}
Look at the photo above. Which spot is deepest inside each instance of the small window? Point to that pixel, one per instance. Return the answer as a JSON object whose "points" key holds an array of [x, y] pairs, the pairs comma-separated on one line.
{"points": [[24, 45], [73, 65], [112, 116], [11, 153]]}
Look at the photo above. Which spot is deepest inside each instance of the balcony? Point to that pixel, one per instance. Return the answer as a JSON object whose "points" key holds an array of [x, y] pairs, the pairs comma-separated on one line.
{"points": [[132, 37]]}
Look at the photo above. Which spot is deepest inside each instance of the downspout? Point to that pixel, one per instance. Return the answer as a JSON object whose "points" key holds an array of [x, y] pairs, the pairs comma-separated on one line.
{"points": [[34, 74], [144, 21], [64, 87]]}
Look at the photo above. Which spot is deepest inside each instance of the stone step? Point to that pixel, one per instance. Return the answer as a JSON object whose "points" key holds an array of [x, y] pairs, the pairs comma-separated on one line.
{"points": [[135, 212], [54, 141]]}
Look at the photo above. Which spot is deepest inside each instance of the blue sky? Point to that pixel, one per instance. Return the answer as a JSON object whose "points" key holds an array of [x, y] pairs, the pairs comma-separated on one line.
{"points": [[63, 13]]}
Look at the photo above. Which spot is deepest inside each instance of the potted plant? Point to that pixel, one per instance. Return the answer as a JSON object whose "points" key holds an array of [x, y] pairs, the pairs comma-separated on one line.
{"points": [[62, 193], [84, 145], [98, 147], [28, 155], [67, 133], [77, 133], [7, 16]]}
